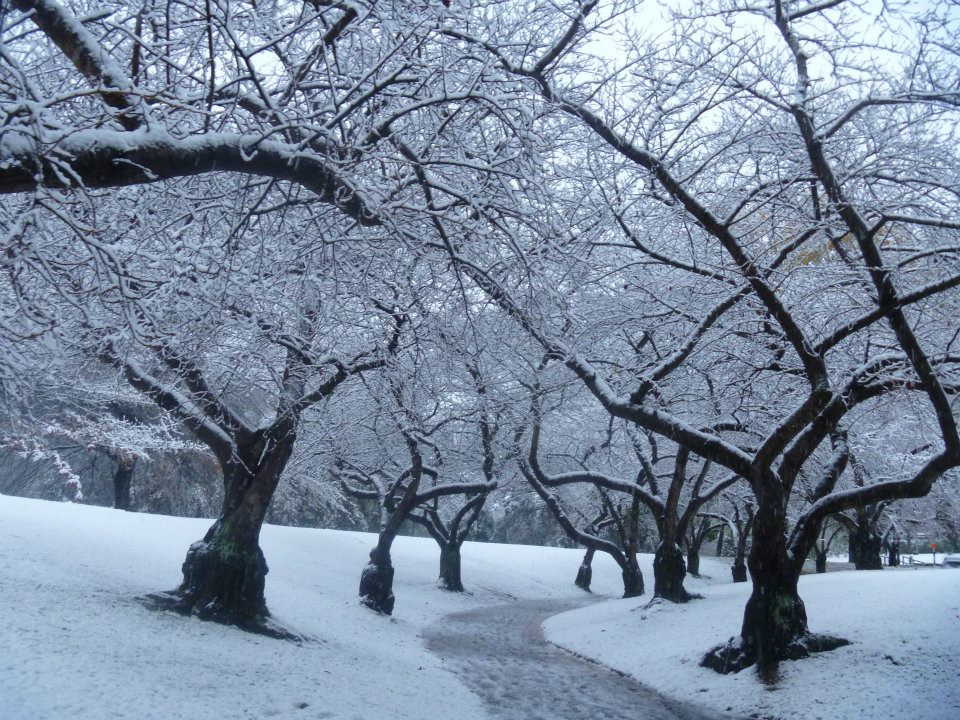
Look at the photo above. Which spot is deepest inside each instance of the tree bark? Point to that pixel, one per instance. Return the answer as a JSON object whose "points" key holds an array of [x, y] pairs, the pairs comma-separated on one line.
{"points": [[693, 559], [867, 546], [669, 572], [775, 619], [632, 577], [376, 581], [224, 574], [821, 560], [739, 570], [585, 571], [121, 484], [893, 554], [450, 578]]}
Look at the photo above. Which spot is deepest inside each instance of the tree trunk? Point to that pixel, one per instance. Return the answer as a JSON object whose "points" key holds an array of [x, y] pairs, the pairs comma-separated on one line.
{"points": [[821, 560], [632, 577], [739, 570], [585, 572], [669, 572], [867, 548], [893, 554], [450, 567], [775, 619], [121, 484], [720, 536], [693, 559], [224, 574], [376, 580]]}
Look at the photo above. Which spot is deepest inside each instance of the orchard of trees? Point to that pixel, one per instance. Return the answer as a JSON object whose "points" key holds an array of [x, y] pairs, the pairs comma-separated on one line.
{"points": [[684, 271]]}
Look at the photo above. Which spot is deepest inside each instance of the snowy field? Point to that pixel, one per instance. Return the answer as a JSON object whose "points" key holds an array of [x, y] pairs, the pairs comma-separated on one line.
{"points": [[74, 642], [904, 626]]}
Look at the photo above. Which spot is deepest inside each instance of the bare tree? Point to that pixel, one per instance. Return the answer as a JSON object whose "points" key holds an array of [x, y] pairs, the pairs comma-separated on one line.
{"points": [[775, 209]]}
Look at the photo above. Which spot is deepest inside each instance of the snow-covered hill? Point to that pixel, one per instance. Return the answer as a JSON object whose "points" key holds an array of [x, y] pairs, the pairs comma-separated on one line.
{"points": [[75, 643], [903, 624]]}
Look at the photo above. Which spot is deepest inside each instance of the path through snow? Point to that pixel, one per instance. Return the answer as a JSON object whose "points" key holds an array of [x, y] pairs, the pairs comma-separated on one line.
{"points": [[500, 653]]}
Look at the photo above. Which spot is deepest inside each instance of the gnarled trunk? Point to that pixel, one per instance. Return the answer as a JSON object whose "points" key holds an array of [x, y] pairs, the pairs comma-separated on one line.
{"points": [[821, 560], [632, 577], [669, 572], [585, 571], [775, 619], [450, 567], [376, 581], [224, 574]]}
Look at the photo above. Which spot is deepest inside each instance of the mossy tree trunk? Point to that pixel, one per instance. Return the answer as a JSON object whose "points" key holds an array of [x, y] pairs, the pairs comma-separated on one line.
{"points": [[224, 574], [775, 617]]}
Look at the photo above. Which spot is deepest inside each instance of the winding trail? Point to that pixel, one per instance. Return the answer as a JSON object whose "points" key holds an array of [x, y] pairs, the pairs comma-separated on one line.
{"points": [[501, 654]]}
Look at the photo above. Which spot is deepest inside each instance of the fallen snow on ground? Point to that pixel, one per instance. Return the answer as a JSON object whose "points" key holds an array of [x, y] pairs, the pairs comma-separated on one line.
{"points": [[904, 625], [75, 643]]}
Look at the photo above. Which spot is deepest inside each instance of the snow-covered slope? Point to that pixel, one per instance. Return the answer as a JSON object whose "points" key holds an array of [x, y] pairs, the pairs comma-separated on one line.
{"points": [[75, 643], [904, 625]]}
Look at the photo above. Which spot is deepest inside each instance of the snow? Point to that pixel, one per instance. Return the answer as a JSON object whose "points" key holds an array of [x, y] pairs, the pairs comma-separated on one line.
{"points": [[75, 643], [904, 625]]}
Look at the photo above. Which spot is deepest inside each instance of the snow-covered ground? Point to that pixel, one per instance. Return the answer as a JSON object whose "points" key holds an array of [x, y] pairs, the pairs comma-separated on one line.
{"points": [[904, 625], [74, 642]]}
